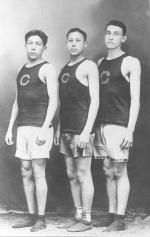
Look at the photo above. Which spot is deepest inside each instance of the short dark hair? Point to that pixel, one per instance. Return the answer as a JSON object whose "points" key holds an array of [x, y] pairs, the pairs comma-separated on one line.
{"points": [[117, 23], [40, 33], [77, 30]]}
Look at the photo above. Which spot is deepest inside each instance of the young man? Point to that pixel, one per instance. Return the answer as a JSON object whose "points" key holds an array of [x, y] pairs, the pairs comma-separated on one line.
{"points": [[34, 108], [79, 102], [116, 120]]}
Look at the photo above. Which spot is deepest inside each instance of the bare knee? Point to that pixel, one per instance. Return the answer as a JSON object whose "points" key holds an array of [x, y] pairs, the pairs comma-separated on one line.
{"points": [[39, 169], [109, 172], [71, 174], [26, 170], [120, 170], [82, 174]]}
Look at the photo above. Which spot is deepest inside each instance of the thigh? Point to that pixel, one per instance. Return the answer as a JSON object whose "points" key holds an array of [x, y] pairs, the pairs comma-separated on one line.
{"points": [[83, 163], [42, 151], [120, 167], [39, 165], [114, 135], [108, 163], [100, 148], [70, 163], [22, 150]]}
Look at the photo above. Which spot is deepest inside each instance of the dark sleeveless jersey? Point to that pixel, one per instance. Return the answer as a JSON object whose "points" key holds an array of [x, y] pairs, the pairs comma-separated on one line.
{"points": [[32, 97], [114, 93], [74, 100]]}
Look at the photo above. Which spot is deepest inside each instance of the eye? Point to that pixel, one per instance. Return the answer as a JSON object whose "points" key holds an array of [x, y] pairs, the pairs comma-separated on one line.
{"points": [[38, 43], [107, 32], [116, 33]]}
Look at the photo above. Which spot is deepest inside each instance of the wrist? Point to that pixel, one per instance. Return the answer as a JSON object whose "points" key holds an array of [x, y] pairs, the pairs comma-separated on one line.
{"points": [[130, 130]]}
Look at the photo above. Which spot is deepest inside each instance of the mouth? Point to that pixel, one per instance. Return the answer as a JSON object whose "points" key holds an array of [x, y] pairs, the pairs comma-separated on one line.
{"points": [[33, 54], [73, 50], [109, 42]]}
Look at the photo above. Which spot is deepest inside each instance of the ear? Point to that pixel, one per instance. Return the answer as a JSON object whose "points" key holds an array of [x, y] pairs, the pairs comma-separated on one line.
{"points": [[45, 47], [124, 38], [86, 44]]}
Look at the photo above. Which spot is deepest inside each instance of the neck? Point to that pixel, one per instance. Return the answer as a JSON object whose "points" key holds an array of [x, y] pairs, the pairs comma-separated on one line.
{"points": [[114, 53], [75, 59], [34, 62]]}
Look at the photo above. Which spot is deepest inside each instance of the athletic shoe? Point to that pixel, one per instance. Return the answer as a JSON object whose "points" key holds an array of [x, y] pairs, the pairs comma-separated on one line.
{"points": [[67, 224], [81, 226], [117, 225], [39, 225], [28, 222]]}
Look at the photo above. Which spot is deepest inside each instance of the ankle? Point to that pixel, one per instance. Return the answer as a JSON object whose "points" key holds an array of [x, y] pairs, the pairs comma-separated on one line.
{"points": [[86, 215], [111, 216], [41, 217], [119, 217], [78, 212]]}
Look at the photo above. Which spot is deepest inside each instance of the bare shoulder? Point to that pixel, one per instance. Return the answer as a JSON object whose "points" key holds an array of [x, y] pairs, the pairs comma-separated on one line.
{"points": [[131, 61], [48, 67], [90, 64], [100, 60], [48, 73]]}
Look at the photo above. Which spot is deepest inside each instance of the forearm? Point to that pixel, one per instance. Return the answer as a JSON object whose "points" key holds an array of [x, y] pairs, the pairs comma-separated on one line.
{"points": [[13, 117], [94, 105], [133, 114], [52, 106]]}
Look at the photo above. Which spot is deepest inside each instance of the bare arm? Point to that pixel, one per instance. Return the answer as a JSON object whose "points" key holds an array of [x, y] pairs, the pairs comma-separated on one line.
{"points": [[93, 80], [13, 118], [48, 74], [134, 71], [51, 81]]}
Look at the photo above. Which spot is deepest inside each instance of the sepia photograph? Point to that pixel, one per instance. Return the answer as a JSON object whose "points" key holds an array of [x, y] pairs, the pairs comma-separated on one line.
{"points": [[75, 118]]}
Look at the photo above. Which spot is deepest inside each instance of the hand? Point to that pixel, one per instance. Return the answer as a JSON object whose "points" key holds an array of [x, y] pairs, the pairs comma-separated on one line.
{"points": [[127, 140], [41, 136], [57, 138], [83, 139], [8, 138]]}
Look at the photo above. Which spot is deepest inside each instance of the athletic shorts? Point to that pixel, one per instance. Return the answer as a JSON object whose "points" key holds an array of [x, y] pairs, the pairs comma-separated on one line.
{"points": [[27, 149], [69, 147], [108, 139]]}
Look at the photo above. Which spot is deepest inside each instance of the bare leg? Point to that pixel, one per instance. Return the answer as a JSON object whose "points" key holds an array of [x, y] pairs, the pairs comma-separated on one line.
{"points": [[74, 183], [40, 183], [111, 185], [28, 185], [85, 179], [123, 187]]}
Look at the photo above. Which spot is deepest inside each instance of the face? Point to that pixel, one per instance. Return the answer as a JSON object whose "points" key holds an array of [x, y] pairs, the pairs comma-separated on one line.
{"points": [[34, 47], [114, 37], [75, 43]]}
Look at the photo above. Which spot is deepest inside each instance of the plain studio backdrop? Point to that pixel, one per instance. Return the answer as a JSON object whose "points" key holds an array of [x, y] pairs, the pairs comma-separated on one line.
{"points": [[56, 17]]}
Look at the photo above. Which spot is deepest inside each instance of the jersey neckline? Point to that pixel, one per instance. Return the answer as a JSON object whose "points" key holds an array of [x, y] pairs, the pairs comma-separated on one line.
{"points": [[116, 57]]}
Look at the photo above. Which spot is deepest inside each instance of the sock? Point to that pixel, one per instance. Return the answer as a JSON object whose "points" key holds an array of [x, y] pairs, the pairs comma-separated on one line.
{"points": [[86, 216], [32, 216], [111, 217], [41, 217], [78, 212]]}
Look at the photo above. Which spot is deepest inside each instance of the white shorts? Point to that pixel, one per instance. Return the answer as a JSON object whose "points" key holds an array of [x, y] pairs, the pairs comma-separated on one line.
{"points": [[27, 149], [108, 139]]}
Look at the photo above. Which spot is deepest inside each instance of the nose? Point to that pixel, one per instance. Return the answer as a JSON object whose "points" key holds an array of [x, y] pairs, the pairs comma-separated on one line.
{"points": [[110, 36], [73, 43], [33, 47]]}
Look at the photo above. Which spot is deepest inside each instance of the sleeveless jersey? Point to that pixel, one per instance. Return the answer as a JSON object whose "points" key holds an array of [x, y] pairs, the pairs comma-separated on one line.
{"points": [[32, 97], [114, 93], [74, 100]]}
